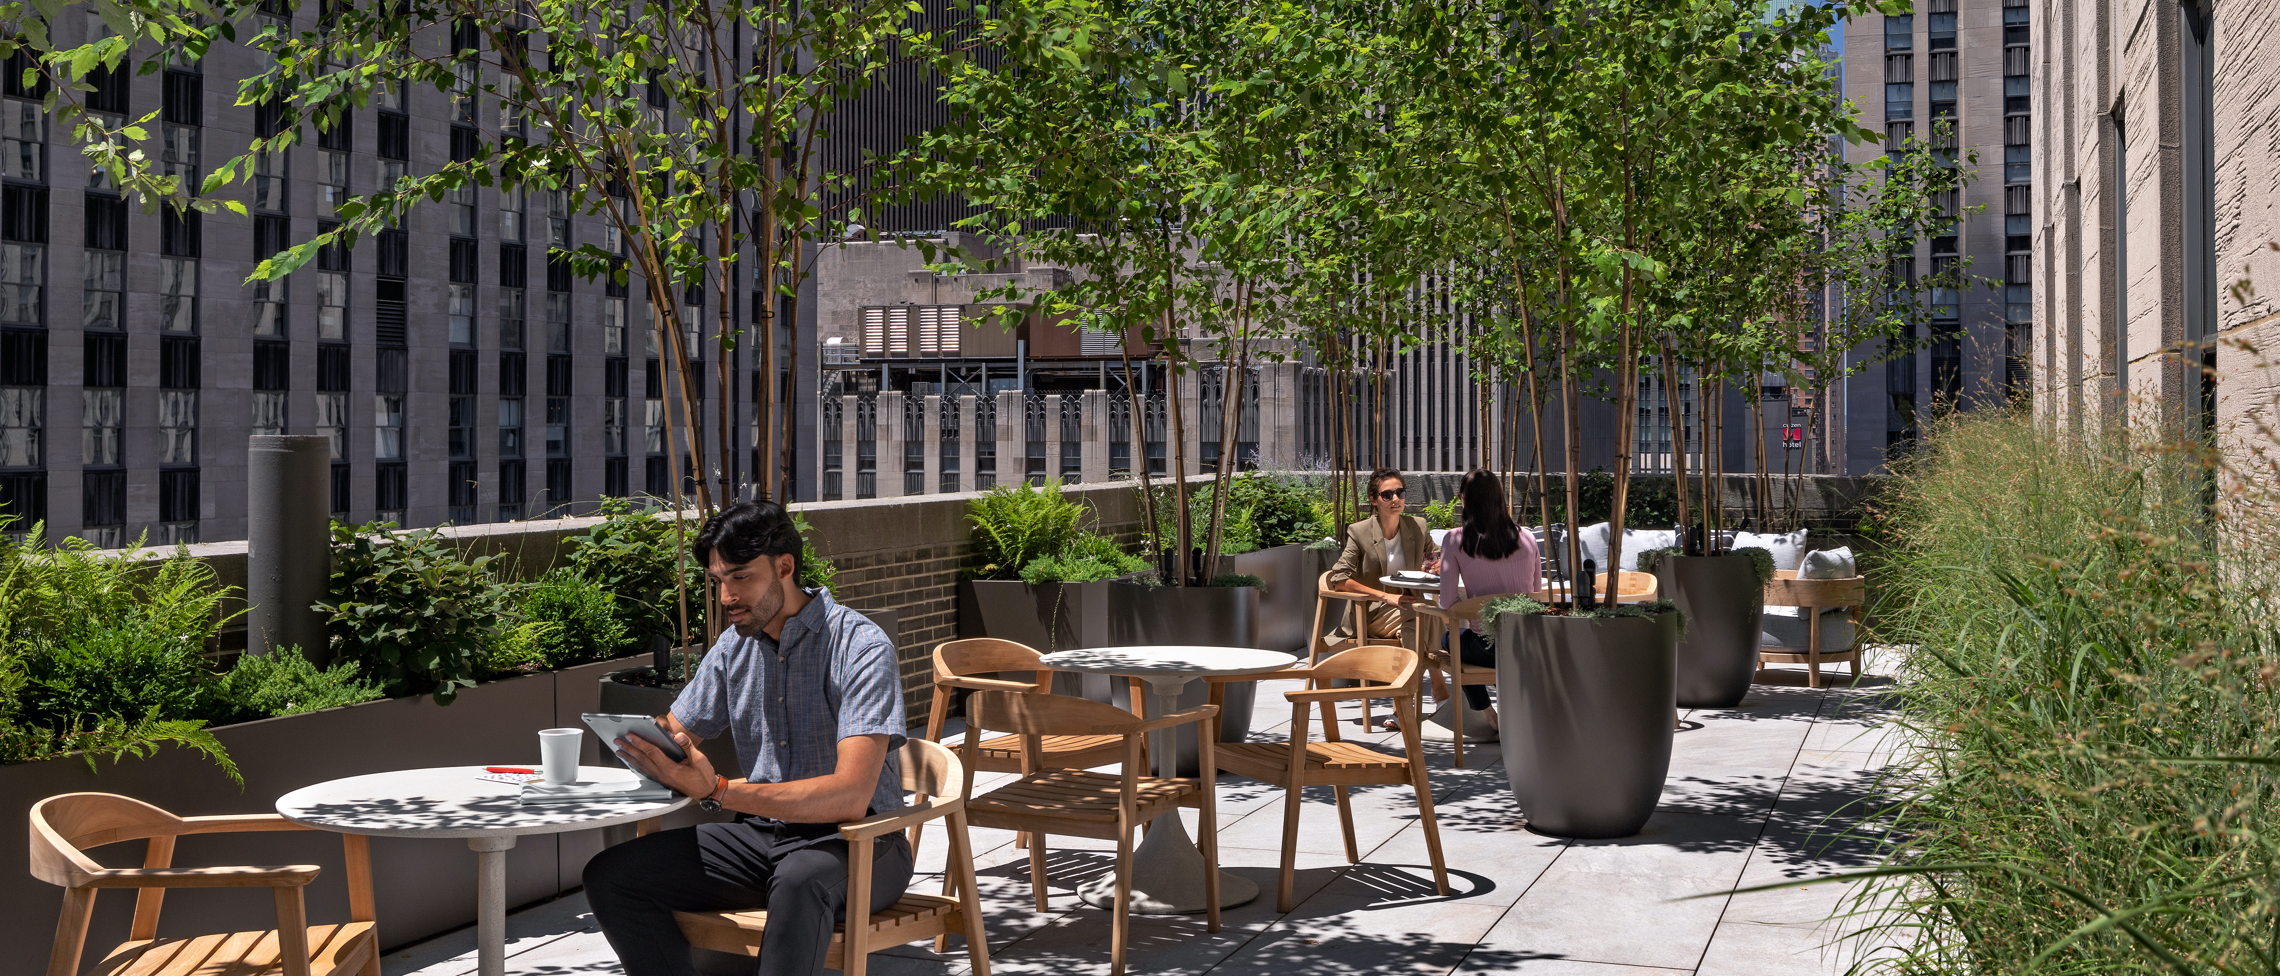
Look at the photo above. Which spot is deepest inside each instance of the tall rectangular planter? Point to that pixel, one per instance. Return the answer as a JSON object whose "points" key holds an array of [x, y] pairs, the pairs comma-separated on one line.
{"points": [[1286, 608], [423, 887]]}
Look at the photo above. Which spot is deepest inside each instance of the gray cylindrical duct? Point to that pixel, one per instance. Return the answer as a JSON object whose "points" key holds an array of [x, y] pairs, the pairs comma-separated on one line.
{"points": [[288, 542]]}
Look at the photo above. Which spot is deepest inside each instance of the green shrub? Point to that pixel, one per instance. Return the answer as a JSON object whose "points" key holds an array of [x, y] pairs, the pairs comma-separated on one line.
{"points": [[633, 553], [1441, 514], [410, 609], [1520, 603], [285, 682], [1014, 524], [1239, 579], [1070, 569], [570, 620], [1238, 533], [520, 649], [1284, 510]]}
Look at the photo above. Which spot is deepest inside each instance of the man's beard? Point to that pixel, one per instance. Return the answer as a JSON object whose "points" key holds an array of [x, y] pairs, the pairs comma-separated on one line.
{"points": [[756, 618]]}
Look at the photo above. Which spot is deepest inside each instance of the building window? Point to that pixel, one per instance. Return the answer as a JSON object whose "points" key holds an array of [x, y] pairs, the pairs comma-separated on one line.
{"points": [[557, 427], [510, 427], [511, 493], [177, 507], [1899, 32], [462, 314], [613, 326], [179, 155], [462, 200], [653, 426], [269, 308], [103, 301], [613, 426], [558, 322], [388, 427], [21, 283], [23, 411], [511, 213], [178, 294], [558, 218], [269, 413], [332, 170], [24, 144], [462, 427], [332, 421], [511, 310], [388, 493], [103, 508], [332, 305], [102, 421], [269, 170], [178, 427]]}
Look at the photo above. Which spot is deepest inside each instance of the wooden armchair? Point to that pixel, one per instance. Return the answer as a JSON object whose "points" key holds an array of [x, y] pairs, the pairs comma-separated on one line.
{"points": [[1088, 804], [1320, 645], [1814, 596], [1439, 658], [63, 826], [940, 781], [1302, 762], [956, 665]]}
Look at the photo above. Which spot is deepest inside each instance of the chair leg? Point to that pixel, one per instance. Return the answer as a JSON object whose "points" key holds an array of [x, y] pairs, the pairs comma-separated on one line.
{"points": [[1121, 927], [1346, 825], [1291, 801], [969, 902], [950, 889], [1432, 824], [1037, 870], [1458, 740]]}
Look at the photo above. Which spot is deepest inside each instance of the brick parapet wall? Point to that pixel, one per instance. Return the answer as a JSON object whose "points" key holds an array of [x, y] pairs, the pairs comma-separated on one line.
{"points": [[905, 553]]}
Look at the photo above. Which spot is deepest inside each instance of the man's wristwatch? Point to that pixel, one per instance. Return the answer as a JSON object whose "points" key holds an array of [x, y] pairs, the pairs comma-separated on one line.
{"points": [[711, 804]]}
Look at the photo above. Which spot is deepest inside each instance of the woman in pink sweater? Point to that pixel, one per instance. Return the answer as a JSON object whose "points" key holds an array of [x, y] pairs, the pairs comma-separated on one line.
{"points": [[1487, 556]]}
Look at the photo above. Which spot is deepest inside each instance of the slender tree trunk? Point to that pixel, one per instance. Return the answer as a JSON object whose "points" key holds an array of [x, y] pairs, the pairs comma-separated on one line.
{"points": [[1676, 405]]}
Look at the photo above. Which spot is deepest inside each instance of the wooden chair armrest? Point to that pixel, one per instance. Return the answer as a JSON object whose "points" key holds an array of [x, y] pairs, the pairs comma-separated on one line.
{"points": [[1338, 694], [1294, 671], [985, 684], [1196, 714], [238, 823], [868, 827], [281, 876], [1344, 595]]}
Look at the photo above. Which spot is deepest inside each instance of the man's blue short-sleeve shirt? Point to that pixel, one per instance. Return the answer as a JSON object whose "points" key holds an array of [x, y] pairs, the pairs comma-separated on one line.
{"points": [[788, 703]]}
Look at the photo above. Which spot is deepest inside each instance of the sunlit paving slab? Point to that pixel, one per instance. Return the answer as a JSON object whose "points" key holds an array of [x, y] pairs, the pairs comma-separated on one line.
{"points": [[1772, 791]]}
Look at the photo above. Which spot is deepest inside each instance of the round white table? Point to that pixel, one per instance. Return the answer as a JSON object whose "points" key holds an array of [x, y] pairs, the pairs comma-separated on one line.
{"points": [[1167, 870], [449, 801], [1414, 586]]}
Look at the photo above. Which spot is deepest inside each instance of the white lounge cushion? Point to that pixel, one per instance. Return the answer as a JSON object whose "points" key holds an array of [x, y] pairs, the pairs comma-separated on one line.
{"points": [[1785, 628], [1788, 548], [1635, 541], [1835, 563]]}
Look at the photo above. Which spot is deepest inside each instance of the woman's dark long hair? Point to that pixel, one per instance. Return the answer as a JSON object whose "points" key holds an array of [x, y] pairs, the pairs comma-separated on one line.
{"points": [[1490, 532]]}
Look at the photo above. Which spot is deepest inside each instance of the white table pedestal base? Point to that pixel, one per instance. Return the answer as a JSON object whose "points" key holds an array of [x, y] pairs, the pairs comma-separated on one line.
{"points": [[491, 903], [1167, 876], [1441, 725]]}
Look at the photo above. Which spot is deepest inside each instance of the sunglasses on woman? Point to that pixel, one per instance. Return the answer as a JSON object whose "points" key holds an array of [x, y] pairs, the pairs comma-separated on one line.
{"points": [[1392, 493]]}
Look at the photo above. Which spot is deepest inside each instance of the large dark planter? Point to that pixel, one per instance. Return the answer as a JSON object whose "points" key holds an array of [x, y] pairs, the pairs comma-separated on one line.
{"points": [[1045, 616], [1287, 606], [1209, 616], [1586, 719], [1724, 606]]}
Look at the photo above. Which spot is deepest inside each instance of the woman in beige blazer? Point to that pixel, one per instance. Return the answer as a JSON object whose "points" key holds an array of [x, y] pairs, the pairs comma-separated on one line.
{"points": [[1369, 543]]}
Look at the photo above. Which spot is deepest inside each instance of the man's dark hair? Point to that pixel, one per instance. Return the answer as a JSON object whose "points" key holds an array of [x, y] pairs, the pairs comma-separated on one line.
{"points": [[1378, 477], [747, 531]]}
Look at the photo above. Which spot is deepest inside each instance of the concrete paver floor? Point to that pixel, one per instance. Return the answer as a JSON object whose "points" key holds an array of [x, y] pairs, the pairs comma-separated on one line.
{"points": [[1770, 791]]}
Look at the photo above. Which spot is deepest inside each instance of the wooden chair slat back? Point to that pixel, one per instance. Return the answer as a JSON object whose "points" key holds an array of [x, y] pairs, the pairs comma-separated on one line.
{"points": [[1386, 663], [931, 769], [982, 655], [1634, 583], [1780, 592], [1469, 607], [1034, 714], [64, 825]]}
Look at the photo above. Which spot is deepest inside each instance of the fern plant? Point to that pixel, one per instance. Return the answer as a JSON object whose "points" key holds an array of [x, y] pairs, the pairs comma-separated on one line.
{"points": [[1014, 524]]}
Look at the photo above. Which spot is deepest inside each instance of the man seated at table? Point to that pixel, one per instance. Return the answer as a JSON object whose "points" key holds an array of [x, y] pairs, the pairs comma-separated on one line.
{"points": [[810, 691], [1376, 547]]}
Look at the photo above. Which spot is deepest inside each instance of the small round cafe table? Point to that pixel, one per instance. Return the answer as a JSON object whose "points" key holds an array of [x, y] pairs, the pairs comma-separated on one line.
{"points": [[451, 802], [1167, 870]]}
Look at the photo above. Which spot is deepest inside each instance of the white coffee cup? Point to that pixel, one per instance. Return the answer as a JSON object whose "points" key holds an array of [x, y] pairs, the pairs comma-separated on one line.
{"points": [[558, 754]]}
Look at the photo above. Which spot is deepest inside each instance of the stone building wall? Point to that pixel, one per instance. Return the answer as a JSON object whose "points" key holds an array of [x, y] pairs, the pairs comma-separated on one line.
{"points": [[2157, 192]]}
